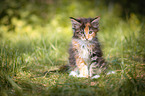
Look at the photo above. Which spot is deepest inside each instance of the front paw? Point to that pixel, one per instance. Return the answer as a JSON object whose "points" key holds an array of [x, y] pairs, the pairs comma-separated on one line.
{"points": [[73, 73], [80, 75], [95, 77]]}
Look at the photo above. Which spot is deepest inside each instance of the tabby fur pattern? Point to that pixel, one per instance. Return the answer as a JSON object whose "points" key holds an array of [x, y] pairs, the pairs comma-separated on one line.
{"points": [[85, 54]]}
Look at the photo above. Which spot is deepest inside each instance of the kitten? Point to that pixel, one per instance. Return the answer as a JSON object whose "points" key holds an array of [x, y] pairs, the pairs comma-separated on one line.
{"points": [[85, 54]]}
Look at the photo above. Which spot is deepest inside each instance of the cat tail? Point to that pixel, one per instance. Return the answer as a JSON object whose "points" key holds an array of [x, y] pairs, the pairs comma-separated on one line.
{"points": [[62, 69]]}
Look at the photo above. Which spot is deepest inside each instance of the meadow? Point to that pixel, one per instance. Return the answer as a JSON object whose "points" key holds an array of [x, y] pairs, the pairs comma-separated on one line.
{"points": [[35, 37]]}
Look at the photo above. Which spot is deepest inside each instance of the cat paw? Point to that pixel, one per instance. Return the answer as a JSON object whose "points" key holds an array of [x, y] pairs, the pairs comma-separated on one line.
{"points": [[95, 77], [73, 73], [111, 72], [81, 76]]}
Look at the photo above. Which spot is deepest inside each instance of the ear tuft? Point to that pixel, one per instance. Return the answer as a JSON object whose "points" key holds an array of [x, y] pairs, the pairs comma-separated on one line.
{"points": [[75, 23], [95, 22]]}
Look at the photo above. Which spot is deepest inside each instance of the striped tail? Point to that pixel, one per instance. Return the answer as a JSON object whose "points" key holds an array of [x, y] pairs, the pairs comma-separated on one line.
{"points": [[62, 69]]}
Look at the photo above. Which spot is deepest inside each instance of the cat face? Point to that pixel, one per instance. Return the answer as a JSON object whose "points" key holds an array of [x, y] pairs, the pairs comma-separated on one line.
{"points": [[85, 28]]}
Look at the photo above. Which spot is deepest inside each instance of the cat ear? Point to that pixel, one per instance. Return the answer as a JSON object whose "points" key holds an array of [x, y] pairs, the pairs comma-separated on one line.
{"points": [[75, 23], [95, 22]]}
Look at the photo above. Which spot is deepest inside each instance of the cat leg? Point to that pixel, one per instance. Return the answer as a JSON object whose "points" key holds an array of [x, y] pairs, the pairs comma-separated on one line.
{"points": [[83, 71], [97, 67], [92, 71], [83, 68]]}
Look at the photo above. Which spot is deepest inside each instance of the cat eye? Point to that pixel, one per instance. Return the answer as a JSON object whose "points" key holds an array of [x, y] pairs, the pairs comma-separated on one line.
{"points": [[90, 32], [82, 32]]}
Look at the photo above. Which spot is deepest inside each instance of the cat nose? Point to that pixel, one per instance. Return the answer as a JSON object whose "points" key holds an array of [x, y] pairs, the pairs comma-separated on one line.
{"points": [[86, 39]]}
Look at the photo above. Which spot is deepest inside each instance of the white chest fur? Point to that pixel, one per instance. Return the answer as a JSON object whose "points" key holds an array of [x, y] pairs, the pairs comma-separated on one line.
{"points": [[84, 51]]}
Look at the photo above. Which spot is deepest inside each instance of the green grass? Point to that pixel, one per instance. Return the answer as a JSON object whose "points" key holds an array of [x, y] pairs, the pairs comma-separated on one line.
{"points": [[36, 45]]}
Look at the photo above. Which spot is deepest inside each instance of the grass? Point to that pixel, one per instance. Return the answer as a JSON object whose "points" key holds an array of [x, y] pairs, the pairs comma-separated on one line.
{"points": [[29, 50]]}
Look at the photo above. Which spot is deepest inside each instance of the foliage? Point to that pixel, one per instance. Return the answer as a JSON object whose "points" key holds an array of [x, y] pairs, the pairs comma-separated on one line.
{"points": [[35, 36]]}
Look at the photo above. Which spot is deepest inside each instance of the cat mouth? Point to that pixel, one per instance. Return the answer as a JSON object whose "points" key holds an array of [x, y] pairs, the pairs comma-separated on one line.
{"points": [[88, 39], [85, 39]]}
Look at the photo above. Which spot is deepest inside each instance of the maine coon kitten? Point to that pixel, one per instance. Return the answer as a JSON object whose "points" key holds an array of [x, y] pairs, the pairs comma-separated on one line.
{"points": [[85, 54]]}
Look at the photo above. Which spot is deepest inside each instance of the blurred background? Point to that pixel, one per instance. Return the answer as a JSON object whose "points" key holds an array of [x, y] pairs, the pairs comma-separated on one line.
{"points": [[35, 37]]}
